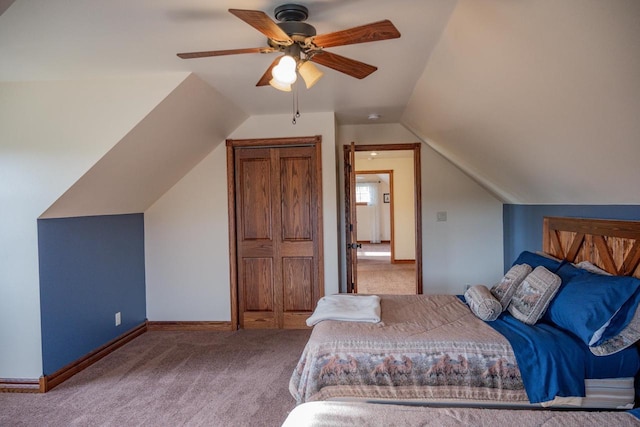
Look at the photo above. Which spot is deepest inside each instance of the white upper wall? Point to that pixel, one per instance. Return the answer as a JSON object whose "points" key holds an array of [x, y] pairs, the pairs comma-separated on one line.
{"points": [[186, 246], [187, 235], [467, 249], [51, 133], [539, 101]]}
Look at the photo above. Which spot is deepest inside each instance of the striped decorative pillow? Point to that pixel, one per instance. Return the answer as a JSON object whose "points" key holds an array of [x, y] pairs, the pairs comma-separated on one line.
{"points": [[482, 303], [504, 290], [534, 295]]}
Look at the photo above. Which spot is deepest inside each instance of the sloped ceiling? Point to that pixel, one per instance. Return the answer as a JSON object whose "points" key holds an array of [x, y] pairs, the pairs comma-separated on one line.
{"points": [[537, 100], [71, 39], [4, 5], [179, 132]]}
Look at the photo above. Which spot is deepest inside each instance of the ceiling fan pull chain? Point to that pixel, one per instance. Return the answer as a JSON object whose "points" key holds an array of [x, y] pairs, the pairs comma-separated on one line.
{"points": [[297, 103], [295, 109]]}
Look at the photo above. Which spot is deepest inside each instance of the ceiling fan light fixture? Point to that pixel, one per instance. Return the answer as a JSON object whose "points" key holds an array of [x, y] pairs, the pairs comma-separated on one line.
{"points": [[279, 85], [310, 73], [285, 72]]}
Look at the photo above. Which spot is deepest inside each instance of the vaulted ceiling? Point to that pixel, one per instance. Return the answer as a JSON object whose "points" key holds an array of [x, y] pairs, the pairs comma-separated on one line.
{"points": [[537, 100], [70, 39]]}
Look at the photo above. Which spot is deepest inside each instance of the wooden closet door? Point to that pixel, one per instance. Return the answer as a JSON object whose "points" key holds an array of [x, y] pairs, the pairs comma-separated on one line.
{"points": [[277, 235]]}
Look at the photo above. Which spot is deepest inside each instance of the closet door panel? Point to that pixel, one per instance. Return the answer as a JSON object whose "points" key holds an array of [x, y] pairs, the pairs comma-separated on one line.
{"points": [[296, 193], [297, 276], [277, 238], [257, 259]]}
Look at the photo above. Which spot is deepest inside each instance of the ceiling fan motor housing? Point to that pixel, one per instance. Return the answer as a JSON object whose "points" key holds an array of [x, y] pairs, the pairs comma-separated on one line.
{"points": [[291, 17], [293, 28], [291, 12]]}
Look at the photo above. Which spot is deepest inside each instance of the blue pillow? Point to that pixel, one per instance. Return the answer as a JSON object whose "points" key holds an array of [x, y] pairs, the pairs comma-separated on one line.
{"points": [[593, 306], [535, 260], [622, 318]]}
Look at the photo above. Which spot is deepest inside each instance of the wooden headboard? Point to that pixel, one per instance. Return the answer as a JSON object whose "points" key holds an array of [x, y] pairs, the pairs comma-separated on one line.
{"points": [[612, 245]]}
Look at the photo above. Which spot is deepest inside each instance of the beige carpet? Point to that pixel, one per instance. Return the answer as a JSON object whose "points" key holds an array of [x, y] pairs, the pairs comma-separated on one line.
{"points": [[173, 379], [376, 274]]}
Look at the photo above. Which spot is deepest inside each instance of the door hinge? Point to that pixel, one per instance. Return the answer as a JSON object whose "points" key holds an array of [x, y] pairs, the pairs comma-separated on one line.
{"points": [[350, 227]]}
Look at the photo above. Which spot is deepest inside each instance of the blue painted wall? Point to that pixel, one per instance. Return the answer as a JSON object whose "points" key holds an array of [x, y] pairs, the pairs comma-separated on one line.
{"points": [[90, 268], [523, 223]]}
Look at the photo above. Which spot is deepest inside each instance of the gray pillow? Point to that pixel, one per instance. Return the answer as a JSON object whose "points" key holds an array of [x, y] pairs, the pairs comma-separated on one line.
{"points": [[504, 290], [482, 303], [592, 268], [534, 294]]}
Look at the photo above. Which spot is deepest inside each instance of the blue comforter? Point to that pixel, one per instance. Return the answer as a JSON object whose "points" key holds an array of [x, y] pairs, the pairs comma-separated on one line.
{"points": [[542, 349]]}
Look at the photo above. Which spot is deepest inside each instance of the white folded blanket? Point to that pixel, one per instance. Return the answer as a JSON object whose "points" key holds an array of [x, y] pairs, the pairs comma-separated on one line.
{"points": [[351, 308]]}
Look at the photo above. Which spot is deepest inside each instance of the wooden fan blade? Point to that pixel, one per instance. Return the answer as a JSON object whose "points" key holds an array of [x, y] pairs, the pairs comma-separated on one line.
{"points": [[381, 30], [267, 76], [191, 55], [261, 22], [354, 68]]}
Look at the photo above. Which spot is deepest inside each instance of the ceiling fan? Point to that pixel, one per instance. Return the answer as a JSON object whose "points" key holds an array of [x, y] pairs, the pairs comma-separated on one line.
{"points": [[299, 42]]}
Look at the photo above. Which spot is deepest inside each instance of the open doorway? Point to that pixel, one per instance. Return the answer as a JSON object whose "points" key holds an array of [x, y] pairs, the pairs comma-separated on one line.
{"points": [[378, 270], [384, 244]]}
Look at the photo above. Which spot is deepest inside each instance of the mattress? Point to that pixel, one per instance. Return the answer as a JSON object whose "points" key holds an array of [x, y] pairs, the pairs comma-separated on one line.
{"points": [[609, 393]]}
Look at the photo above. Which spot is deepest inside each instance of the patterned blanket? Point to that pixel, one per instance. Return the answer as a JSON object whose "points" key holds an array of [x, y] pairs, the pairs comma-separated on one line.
{"points": [[427, 348]]}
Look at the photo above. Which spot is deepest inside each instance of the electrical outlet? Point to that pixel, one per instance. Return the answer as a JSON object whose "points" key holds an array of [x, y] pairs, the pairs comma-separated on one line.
{"points": [[118, 319], [441, 216]]}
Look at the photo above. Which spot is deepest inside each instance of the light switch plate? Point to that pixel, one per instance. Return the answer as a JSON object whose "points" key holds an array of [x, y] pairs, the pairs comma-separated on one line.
{"points": [[441, 216]]}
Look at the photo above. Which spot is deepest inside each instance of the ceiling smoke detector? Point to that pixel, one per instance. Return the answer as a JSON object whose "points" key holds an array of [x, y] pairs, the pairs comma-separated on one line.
{"points": [[373, 116]]}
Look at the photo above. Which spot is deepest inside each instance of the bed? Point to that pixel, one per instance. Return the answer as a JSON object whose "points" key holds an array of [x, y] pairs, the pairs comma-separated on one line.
{"points": [[336, 414], [433, 349]]}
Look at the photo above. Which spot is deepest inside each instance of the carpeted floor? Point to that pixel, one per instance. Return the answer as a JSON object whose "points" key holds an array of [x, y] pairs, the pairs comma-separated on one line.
{"points": [[376, 274], [173, 379]]}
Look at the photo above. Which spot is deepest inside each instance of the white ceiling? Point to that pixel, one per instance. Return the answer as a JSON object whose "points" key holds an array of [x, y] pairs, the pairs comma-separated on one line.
{"points": [[384, 154], [536, 100], [80, 39]]}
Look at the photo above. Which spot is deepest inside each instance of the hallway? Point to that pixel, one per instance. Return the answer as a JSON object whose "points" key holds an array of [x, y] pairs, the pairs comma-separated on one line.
{"points": [[376, 274]]}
